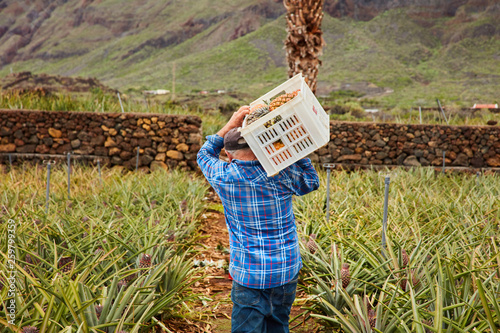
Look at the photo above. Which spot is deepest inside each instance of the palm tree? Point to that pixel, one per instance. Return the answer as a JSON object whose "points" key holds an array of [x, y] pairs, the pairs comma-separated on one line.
{"points": [[304, 41]]}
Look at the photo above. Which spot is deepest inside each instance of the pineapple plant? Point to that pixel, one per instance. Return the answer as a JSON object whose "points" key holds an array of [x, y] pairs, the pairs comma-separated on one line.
{"points": [[428, 322], [40, 248], [98, 250], [122, 284], [170, 236], [311, 245], [414, 278], [130, 278], [29, 329], [372, 318], [403, 284], [98, 310], [65, 264], [345, 275], [405, 258], [183, 209], [29, 260], [145, 261], [368, 304]]}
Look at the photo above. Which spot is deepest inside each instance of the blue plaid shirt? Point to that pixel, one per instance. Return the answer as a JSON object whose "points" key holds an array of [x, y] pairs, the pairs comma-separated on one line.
{"points": [[259, 216]]}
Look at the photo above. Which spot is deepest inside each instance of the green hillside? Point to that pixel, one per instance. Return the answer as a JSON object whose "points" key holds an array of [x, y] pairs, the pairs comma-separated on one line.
{"points": [[392, 60]]}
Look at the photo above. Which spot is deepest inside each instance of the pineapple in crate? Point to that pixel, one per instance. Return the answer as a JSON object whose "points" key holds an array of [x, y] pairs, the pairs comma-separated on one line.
{"points": [[282, 99], [260, 110], [256, 112]]}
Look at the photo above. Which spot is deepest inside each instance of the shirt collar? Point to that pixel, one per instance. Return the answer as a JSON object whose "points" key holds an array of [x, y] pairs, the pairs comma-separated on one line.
{"points": [[246, 163]]}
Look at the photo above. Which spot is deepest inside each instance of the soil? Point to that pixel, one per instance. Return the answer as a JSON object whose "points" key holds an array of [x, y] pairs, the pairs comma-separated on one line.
{"points": [[213, 311]]}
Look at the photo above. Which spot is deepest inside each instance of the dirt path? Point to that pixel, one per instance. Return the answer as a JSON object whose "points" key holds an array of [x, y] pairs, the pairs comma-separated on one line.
{"points": [[214, 310]]}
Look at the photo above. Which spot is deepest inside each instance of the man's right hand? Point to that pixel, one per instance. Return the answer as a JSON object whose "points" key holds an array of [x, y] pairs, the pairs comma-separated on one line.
{"points": [[235, 121]]}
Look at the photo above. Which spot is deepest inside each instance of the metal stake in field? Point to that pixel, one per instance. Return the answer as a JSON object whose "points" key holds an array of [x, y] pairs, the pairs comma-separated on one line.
{"points": [[10, 166], [444, 160], [328, 167], [47, 194], [386, 208], [420, 112], [69, 175], [99, 169], [442, 111], [121, 105], [137, 159], [477, 178]]}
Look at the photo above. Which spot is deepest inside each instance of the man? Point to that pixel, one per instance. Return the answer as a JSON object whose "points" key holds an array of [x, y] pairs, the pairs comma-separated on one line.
{"points": [[264, 248]]}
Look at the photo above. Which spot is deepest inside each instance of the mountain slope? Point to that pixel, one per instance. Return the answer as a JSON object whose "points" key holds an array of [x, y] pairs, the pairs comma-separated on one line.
{"points": [[398, 56]]}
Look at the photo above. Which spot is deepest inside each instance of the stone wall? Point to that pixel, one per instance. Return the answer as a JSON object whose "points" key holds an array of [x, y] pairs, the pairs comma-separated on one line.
{"points": [[170, 141], [411, 145], [166, 141]]}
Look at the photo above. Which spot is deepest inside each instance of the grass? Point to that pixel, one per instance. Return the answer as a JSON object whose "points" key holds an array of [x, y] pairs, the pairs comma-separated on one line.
{"points": [[214, 110], [349, 109]]}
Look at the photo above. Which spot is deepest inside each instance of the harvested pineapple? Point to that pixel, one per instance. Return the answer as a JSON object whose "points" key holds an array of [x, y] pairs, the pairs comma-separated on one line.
{"points": [[273, 121], [282, 99], [278, 145], [276, 103], [257, 111], [260, 110]]}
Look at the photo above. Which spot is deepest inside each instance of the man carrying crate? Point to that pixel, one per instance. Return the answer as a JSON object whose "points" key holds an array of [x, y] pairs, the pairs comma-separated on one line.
{"points": [[264, 247]]}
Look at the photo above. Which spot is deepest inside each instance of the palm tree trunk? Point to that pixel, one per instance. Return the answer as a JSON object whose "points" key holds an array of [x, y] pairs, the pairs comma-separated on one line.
{"points": [[304, 42]]}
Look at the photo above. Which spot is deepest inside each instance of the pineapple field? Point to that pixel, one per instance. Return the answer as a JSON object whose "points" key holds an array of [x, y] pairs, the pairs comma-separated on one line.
{"points": [[148, 252], [116, 257], [385, 248], [123, 255], [439, 270]]}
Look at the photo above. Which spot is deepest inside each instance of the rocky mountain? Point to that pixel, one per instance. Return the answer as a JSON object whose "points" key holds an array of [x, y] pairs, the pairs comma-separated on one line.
{"points": [[54, 30], [237, 44], [418, 9]]}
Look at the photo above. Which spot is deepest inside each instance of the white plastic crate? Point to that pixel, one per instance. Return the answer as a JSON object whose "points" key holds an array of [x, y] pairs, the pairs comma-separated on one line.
{"points": [[304, 127]]}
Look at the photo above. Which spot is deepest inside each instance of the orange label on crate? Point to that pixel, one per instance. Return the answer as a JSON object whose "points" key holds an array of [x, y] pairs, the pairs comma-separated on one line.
{"points": [[314, 110]]}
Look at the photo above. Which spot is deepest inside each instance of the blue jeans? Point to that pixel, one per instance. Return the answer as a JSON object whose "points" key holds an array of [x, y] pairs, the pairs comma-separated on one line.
{"points": [[262, 310]]}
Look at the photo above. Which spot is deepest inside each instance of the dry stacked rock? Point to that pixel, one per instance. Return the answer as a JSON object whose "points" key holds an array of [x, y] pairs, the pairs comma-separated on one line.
{"points": [[411, 145], [170, 141], [166, 141]]}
